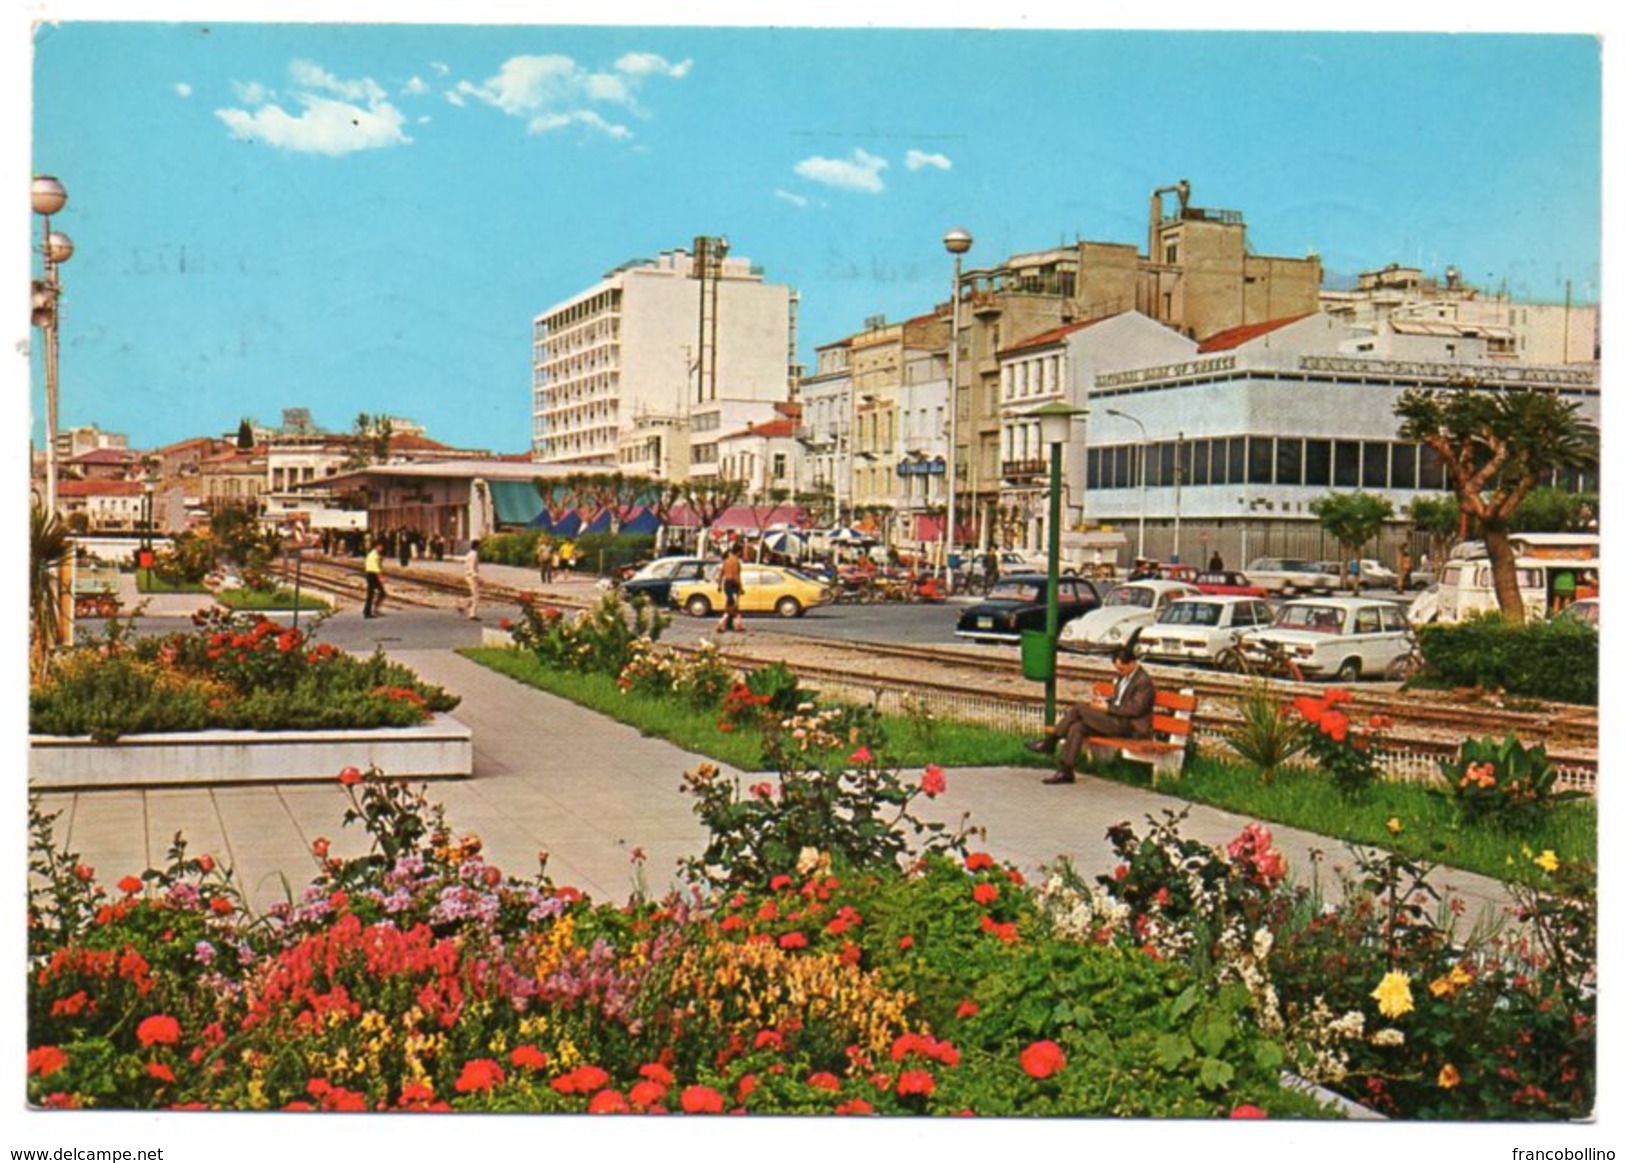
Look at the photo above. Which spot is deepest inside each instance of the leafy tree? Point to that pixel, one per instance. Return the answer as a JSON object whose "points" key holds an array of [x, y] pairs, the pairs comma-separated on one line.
{"points": [[369, 440], [1440, 519], [1497, 446], [1351, 519], [1552, 510], [710, 498], [48, 547]]}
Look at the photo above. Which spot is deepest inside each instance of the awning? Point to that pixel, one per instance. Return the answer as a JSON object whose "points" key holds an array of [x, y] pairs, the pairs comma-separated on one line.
{"points": [[514, 502]]}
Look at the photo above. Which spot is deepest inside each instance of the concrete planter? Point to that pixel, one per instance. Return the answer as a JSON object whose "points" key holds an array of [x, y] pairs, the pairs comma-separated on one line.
{"points": [[439, 749]]}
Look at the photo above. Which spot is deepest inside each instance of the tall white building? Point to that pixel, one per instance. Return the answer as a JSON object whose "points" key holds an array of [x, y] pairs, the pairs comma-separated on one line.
{"points": [[654, 343]]}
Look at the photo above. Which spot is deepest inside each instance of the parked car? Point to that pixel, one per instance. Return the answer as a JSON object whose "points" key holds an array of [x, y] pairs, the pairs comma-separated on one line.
{"points": [[1366, 570], [1017, 603], [655, 580], [1341, 637], [786, 592], [1013, 561], [1206, 629], [1291, 576], [1125, 608], [1231, 582]]}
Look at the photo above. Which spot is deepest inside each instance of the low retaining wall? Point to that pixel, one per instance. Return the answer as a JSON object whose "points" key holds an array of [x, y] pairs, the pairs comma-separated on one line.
{"points": [[439, 749]]}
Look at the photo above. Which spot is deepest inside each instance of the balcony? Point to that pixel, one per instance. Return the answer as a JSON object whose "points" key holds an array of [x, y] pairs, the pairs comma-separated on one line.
{"points": [[1022, 471]]}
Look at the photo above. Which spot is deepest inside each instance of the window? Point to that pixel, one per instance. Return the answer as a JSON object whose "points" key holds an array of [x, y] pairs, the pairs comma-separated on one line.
{"points": [[1092, 473], [1403, 473], [1367, 621], [1317, 462], [1162, 464], [1198, 463], [1260, 460], [1375, 475], [1238, 460], [1288, 461], [1431, 472], [1346, 468]]}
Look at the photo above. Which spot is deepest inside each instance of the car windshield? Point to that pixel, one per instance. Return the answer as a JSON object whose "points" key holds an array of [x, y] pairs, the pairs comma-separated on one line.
{"points": [[1301, 566], [1322, 619], [1191, 614], [1015, 591], [656, 570], [1131, 596]]}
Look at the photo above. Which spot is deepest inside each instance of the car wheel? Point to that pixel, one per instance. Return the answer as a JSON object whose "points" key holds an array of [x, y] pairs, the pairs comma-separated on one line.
{"points": [[1349, 671], [788, 607], [699, 605]]}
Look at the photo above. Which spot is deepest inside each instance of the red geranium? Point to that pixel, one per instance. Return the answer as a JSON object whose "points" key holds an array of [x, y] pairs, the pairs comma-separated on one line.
{"points": [[977, 861], [160, 1028], [161, 1072], [46, 1060], [350, 776], [479, 1074], [1248, 1111], [795, 940], [581, 1080], [823, 1080], [915, 1082], [985, 894], [528, 1057], [701, 1100], [855, 1107], [967, 1009], [130, 885], [1042, 1059], [647, 1093], [608, 1102]]}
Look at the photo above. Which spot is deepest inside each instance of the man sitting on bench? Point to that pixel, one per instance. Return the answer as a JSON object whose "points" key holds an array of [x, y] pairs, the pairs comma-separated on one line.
{"points": [[1127, 715]]}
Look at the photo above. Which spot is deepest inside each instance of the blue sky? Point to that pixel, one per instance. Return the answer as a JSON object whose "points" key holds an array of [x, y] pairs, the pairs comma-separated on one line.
{"points": [[361, 217]]}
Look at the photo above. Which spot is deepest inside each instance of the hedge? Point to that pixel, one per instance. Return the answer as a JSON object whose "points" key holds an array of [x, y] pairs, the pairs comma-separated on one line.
{"points": [[1556, 659]]}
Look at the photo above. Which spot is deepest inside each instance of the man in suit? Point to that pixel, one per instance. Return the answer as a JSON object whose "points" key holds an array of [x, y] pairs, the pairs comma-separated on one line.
{"points": [[1126, 714]]}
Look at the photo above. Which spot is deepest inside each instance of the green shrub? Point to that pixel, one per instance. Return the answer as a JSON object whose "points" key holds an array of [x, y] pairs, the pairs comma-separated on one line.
{"points": [[517, 548], [604, 552], [1555, 659], [600, 640]]}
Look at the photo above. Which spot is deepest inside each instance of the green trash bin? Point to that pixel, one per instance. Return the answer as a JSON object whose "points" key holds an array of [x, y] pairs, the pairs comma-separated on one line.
{"points": [[1037, 656]]}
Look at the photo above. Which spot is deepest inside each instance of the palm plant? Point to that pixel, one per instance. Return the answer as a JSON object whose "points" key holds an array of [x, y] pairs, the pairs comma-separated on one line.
{"points": [[1267, 737], [48, 545]]}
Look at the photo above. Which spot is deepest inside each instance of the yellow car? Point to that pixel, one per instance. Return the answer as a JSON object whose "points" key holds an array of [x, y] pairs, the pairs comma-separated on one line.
{"points": [[786, 592]]}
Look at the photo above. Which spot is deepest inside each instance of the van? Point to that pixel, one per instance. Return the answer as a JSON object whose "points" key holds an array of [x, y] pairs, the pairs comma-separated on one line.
{"points": [[1553, 568]]}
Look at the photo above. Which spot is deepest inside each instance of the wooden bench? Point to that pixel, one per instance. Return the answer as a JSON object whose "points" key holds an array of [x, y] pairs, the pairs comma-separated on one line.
{"points": [[1165, 750]]}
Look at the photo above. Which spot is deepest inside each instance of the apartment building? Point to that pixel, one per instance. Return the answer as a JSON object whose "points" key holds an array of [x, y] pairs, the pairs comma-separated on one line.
{"points": [[657, 343]]}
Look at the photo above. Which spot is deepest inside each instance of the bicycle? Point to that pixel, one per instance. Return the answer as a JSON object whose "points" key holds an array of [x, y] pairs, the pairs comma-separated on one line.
{"points": [[1407, 666], [1272, 661]]}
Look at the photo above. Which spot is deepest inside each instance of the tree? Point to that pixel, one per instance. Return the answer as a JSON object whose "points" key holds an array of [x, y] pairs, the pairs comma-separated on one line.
{"points": [[710, 498], [1351, 519], [1440, 519], [1554, 510], [369, 440], [245, 435], [48, 547], [1497, 446]]}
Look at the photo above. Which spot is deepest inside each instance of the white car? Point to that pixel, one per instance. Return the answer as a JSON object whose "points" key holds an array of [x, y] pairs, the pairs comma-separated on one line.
{"points": [[1206, 629], [1291, 576], [1126, 608], [1344, 638]]}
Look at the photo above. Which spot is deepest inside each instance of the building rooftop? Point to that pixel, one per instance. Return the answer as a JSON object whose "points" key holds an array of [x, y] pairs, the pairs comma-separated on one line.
{"points": [[1236, 336]]}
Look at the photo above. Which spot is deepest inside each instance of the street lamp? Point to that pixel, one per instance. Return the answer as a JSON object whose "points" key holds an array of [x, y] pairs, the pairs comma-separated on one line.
{"points": [[1140, 552], [957, 241], [49, 196], [1054, 426]]}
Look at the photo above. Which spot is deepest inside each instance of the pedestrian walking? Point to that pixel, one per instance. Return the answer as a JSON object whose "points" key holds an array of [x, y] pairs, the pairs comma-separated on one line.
{"points": [[1215, 564], [1404, 569], [373, 569], [544, 559], [471, 575], [733, 587]]}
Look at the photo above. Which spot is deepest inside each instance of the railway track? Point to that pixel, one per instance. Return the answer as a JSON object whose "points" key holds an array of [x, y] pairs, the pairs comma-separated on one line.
{"points": [[1427, 724]]}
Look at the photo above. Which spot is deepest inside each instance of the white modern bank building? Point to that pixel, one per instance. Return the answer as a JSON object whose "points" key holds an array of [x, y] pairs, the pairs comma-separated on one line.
{"points": [[1239, 433]]}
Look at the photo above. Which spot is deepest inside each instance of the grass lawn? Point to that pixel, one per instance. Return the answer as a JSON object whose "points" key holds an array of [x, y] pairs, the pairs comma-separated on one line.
{"points": [[147, 582], [1298, 797], [280, 598]]}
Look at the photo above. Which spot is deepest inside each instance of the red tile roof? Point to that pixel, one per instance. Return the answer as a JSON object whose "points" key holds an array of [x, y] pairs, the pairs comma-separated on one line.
{"points": [[117, 456], [99, 488], [771, 429], [1236, 336], [1044, 338]]}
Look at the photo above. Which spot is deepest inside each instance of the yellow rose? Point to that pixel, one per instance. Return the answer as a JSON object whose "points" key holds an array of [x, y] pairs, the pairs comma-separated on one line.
{"points": [[1393, 994], [1449, 1077], [1547, 860]]}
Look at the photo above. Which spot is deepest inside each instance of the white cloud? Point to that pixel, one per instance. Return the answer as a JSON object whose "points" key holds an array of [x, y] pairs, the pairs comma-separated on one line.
{"points": [[793, 199], [182, 88], [416, 87], [860, 172], [553, 91], [356, 117], [441, 68], [918, 160]]}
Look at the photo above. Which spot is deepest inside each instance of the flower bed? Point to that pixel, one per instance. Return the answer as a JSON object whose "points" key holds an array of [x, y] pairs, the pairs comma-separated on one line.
{"points": [[835, 961]]}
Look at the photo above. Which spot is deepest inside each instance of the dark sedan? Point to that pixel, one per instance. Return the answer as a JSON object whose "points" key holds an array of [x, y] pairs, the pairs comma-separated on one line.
{"points": [[1017, 603], [654, 581]]}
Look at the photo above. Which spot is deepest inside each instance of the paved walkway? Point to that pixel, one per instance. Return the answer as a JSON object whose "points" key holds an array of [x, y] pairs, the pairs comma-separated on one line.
{"points": [[552, 776]]}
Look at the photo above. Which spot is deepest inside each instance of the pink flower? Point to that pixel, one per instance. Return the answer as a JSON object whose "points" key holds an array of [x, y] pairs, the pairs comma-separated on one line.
{"points": [[934, 782]]}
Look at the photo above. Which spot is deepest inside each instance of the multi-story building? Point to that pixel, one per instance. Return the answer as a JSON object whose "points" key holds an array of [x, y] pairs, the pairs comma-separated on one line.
{"points": [[1224, 447], [664, 339], [825, 431], [1399, 300], [764, 456], [71, 442], [1197, 278]]}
